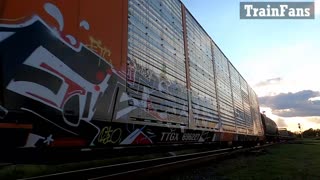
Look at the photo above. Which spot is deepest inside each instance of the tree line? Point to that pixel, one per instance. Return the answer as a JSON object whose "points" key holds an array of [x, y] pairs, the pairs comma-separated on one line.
{"points": [[311, 133]]}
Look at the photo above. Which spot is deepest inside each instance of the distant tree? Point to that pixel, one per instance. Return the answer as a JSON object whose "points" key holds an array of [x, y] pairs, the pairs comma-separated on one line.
{"points": [[311, 132]]}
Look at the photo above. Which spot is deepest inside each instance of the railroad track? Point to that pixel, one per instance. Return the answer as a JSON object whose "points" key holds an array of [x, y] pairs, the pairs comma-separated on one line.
{"points": [[146, 168]]}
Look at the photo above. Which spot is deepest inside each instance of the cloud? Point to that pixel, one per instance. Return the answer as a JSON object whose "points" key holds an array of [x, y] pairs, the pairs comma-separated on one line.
{"points": [[281, 123], [314, 120], [268, 82], [293, 104], [315, 99], [295, 62]]}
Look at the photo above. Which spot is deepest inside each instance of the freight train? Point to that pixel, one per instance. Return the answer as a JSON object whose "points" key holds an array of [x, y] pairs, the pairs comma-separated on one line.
{"points": [[95, 73]]}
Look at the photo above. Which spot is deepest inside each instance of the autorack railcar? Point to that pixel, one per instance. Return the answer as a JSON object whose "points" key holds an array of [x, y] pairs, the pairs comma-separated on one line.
{"points": [[117, 72]]}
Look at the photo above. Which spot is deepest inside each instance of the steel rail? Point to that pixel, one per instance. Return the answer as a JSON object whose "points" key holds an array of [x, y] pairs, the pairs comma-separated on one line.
{"points": [[145, 168]]}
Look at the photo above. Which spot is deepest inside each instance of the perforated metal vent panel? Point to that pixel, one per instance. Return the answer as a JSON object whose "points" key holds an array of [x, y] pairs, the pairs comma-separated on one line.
{"points": [[204, 102], [223, 88], [157, 77]]}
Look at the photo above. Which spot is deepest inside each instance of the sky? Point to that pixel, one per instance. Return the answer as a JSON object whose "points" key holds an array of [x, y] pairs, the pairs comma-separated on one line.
{"points": [[280, 59]]}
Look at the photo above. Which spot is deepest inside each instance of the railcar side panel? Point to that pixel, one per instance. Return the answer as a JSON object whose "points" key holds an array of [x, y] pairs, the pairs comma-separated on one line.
{"points": [[255, 114], [246, 103], [156, 78], [224, 92], [237, 99], [204, 100]]}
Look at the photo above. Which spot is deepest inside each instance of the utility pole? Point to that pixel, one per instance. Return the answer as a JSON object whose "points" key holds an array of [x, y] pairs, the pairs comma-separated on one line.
{"points": [[299, 126]]}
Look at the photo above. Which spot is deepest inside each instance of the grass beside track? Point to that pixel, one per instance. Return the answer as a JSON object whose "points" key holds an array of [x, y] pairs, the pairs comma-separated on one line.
{"points": [[299, 159], [16, 171]]}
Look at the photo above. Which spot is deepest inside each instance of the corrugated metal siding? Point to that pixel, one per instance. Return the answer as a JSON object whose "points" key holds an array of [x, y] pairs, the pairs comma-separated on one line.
{"points": [[156, 52], [204, 102], [255, 111], [246, 102], [224, 89], [237, 100]]}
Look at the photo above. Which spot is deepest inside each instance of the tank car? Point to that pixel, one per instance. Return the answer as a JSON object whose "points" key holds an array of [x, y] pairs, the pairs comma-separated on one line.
{"points": [[270, 129]]}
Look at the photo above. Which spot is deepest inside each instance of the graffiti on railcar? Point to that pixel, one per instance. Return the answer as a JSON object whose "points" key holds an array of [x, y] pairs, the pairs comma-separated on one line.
{"points": [[46, 76], [3, 112], [153, 92], [110, 135], [98, 47], [126, 134], [33, 139], [55, 77], [142, 135]]}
